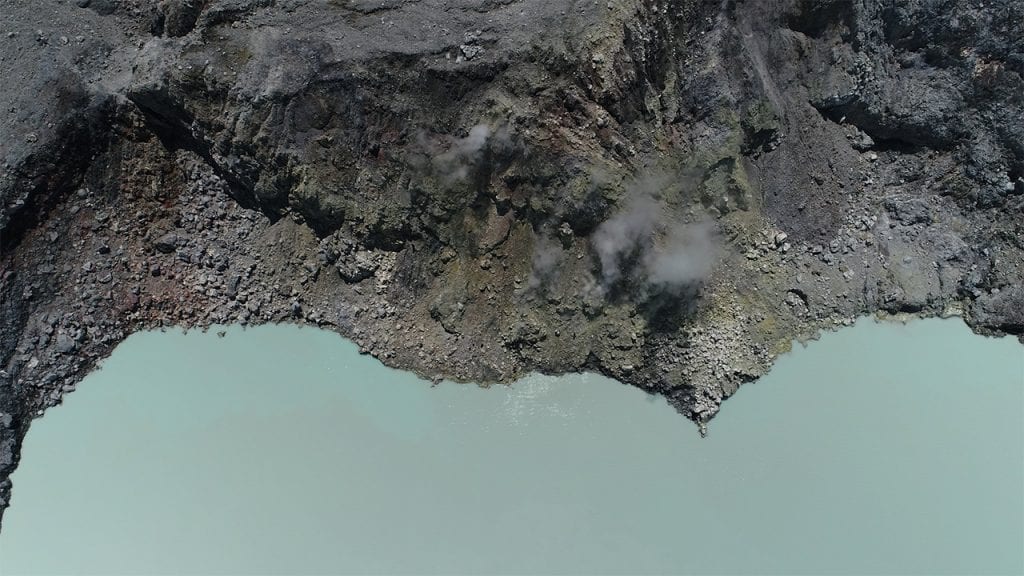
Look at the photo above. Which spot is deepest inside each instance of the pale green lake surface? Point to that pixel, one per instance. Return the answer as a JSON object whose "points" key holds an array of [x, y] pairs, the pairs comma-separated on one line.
{"points": [[883, 448]]}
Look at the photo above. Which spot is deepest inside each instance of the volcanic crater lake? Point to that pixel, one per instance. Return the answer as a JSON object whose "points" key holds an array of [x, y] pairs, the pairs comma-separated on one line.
{"points": [[882, 448]]}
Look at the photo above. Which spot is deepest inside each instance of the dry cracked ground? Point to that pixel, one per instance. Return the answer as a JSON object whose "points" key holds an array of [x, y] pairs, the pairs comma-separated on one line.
{"points": [[665, 192]]}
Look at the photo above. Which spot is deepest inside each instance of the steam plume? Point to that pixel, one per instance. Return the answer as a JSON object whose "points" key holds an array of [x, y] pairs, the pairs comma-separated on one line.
{"points": [[642, 244]]}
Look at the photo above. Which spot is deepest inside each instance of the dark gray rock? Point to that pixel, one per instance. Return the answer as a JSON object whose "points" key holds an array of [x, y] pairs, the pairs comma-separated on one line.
{"points": [[168, 243], [356, 267], [65, 344], [7, 451], [1003, 310], [909, 211]]}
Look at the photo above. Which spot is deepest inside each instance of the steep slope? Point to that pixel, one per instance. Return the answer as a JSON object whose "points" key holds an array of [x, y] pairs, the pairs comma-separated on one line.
{"points": [[667, 193]]}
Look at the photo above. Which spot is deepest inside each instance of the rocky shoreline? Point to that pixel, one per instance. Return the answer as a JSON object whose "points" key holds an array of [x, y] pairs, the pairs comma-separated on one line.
{"points": [[668, 195]]}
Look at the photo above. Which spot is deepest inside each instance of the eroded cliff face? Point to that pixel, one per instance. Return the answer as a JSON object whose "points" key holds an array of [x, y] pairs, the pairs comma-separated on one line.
{"points": [[667, 193]]}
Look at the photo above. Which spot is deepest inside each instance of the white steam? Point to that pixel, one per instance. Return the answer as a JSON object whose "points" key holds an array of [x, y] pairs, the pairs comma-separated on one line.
{"points": [[642, 244], [623, 236], [464, 154], [685, 258], [547, 258]]}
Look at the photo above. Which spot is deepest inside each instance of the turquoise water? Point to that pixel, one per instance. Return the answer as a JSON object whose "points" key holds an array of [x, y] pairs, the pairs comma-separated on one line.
{"points": [[883, 448]]}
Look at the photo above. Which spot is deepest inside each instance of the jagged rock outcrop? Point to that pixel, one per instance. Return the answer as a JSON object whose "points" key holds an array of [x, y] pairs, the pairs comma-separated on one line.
{"points": [[667, 193]]}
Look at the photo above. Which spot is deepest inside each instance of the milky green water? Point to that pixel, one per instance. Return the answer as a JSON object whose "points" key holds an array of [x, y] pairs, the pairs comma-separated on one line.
{"points": [[882, 448]]}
